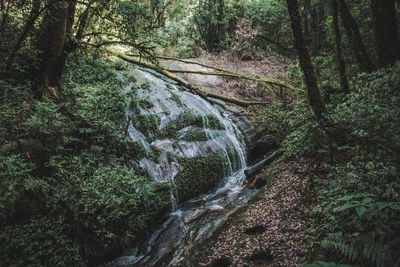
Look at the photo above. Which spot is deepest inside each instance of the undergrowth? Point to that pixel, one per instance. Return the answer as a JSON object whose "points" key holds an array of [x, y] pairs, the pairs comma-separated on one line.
{"points": [[359, 210], [67, 194]]}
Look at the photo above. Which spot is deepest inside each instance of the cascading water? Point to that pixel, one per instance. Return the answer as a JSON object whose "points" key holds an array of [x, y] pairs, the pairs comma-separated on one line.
{"points": [[173, 127]]}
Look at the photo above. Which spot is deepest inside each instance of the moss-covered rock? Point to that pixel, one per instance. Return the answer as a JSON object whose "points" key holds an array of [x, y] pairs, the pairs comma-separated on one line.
{"points": [[146, 124], [199, 175]]}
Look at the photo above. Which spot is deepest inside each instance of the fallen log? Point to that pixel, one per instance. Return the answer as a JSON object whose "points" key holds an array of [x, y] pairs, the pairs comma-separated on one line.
{"points": [[236, 75], [188, 62], [252, 170], [181, 81], [225, 73]]}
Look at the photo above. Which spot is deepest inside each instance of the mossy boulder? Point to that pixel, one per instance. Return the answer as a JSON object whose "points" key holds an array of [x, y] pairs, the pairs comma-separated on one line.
{"points": [[199, 175]]}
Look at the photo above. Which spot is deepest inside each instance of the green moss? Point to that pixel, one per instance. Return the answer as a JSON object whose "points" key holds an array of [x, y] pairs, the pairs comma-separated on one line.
{"points": [[244, 138], [162, 191], [146, 124], [213, 122], [176, 98], [199, 175], [134, 106], [196, 136], [145, 103], [239, 217], [137, 104], [130, 79], [145, 86], [121, 65]]}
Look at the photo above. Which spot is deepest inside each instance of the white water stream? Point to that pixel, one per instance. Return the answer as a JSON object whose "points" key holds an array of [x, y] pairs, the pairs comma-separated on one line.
{"points": [[180, 237]]}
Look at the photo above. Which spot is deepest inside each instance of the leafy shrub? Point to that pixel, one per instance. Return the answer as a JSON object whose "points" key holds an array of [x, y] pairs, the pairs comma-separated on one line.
{"points": [[271, 22], [244, 45], [360, 201], [68, 196]]}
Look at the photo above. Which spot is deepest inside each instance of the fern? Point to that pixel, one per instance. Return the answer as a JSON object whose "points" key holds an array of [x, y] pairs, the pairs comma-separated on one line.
{"points": [[372, 252], [346, 249]]}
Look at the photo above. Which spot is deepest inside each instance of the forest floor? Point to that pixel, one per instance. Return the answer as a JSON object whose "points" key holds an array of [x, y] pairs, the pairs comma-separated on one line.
{"points": [[273, 67], [276, 228]]}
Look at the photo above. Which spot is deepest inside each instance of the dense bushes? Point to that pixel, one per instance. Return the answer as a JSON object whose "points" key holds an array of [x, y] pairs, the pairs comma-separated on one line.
{"points": [[359, 207], [67, 196], [360, 201]]}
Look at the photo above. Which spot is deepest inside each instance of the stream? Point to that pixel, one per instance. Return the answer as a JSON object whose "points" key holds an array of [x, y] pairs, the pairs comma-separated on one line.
{"points": [[183, 128]]}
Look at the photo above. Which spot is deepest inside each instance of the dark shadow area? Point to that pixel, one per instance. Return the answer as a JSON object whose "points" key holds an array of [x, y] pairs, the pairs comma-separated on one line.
{"points": [[222, 262], [260, 258], [258, 229]]}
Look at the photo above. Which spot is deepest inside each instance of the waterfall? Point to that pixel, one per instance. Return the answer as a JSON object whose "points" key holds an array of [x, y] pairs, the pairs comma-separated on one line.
{"points": [[172, 124], [176, 130]]}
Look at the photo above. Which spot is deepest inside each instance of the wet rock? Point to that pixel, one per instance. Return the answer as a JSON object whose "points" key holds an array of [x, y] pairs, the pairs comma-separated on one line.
{"points": [[164, 242], [196, 214]]}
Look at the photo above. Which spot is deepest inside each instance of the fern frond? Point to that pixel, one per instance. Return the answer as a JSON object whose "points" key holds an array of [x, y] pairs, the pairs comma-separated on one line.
{"points": [[372, 252], [348, 250]]}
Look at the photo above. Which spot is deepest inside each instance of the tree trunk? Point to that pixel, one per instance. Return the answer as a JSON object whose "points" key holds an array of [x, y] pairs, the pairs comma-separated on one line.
{"points": [[55, 32], [338, 47], [220, 26], [314, 95], [359, 49], [83, 20], [385, 31], [34, 14]]}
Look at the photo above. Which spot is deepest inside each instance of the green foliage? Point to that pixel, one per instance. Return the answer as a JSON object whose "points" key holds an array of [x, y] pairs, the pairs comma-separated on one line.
{"points": [[114, 206], [360, 206], [271, 22], [292, 127], [196, 135], [374, 253], [326, 264], [359, 201], [67, 195], [209, 20], [176, 38], [39, 241]]}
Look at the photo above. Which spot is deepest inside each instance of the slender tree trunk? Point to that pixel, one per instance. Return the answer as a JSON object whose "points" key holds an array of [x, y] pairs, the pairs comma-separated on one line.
{"points": [[4, 17], [338, 47], [83, 23], [385, 31], [314, 95], [56, 29], [34, 14], [220, 27], [309, 29], [359, 49]]}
